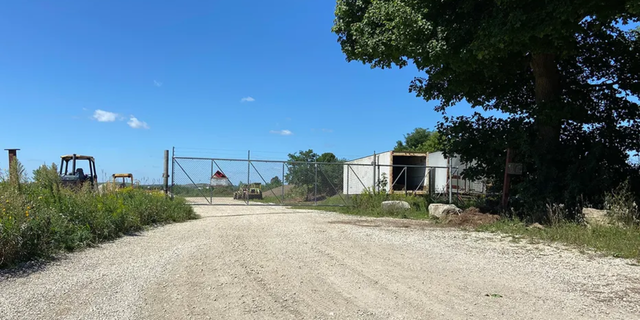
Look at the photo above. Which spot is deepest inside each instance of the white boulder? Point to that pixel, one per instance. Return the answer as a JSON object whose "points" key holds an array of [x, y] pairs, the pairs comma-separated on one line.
{"points": [[440, 210], [395, 205]]}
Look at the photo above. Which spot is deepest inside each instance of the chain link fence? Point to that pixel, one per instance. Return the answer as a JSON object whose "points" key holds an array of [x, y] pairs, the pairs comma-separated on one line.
{"points": [[287, 183]]}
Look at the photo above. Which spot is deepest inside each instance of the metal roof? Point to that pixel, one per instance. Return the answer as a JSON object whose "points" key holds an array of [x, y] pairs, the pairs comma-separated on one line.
{"points": [[397, 153], [123, 175], [78, 157], [219, 175]]}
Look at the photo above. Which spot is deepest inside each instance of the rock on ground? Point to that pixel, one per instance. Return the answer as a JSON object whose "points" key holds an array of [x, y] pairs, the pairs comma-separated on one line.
{"points": [[440, 210], [395, 205]]}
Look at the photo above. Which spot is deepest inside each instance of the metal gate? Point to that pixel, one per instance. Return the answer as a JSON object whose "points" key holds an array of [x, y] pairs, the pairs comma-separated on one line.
{"points": [[220, 181]]}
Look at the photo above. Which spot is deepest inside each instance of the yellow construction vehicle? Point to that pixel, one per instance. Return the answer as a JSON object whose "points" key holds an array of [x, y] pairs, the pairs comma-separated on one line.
{"points": [[123, 183], [252, 191]]}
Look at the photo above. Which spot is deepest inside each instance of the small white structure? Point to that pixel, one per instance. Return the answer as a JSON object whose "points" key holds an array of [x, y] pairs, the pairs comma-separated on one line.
{"points": [[410, 172], [219, 179]]}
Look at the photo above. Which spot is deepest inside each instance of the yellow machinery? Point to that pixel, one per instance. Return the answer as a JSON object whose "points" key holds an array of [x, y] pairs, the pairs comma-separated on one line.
{"points": [[123, 182], [253, 191]]}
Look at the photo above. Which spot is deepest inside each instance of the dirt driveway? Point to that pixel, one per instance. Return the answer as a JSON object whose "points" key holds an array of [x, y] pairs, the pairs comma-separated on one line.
{"points": [[276, 263]]}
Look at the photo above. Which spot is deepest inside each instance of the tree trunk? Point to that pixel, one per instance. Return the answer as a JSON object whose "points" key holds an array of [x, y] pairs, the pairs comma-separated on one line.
{"points": [[547, 92], [548, 121]]}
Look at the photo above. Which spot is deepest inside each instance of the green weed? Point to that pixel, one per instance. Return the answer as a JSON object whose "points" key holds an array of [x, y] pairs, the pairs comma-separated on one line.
{"points": [[616, 241], [40, 218]]}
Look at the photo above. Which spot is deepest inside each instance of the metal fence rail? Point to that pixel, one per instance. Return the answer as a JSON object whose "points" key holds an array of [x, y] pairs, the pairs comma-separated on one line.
{"points": [[221, 181]]}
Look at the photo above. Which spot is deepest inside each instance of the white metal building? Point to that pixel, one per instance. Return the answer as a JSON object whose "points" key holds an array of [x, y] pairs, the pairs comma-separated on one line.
{"points": [[415, 173]]}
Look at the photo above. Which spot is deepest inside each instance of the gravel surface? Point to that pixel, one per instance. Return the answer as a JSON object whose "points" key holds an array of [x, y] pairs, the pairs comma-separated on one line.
{"points": [[276, 263]]}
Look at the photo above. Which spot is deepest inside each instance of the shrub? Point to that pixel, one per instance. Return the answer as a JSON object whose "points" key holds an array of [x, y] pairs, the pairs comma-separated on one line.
{"points": [[40, 218], [621, 205], [370, 203]]}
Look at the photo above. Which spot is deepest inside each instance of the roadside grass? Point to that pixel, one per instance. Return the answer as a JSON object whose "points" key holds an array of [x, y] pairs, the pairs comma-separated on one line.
{"points": [[40, 218], [370, 205], [617, 233], [617, 241], [614, 240]]}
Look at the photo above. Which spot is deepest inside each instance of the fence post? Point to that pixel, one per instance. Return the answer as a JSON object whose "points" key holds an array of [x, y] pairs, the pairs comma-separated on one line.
{"points": [[373, 187], [282, 182], [450, 175], [13, 166], [248, 175], [406, 171], [315, 186], [165, 172], [173, 169], [348, 191], [210, 184], [505, 186]]}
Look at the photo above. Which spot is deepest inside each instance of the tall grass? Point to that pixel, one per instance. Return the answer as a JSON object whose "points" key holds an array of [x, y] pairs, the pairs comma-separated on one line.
{"points": [[616, 241], [619, 235], [370, 204], [621, 206], [39, 217]]}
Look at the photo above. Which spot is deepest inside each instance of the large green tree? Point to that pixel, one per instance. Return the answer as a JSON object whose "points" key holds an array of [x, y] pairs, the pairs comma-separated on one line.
{"points": [[560, 72], [330, 174], [305, 176], [301, 171], [420, 140]]}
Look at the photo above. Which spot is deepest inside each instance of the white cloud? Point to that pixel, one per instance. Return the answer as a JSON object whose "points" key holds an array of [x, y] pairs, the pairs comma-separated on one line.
{"points": [[327, 130], [247, 99], [137, 124], [282, 132], [104, 116], [157, 83]]}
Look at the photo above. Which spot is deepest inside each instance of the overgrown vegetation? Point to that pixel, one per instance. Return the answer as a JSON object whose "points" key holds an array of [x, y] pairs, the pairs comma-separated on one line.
{"points": [[617, 235], [563, 78], [621, 205], [370, 204], [623, 242], [40, 217]]}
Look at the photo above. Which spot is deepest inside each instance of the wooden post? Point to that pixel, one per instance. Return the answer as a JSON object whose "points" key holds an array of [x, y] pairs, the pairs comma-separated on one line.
{"points": [[13, 162], [507, 180]]}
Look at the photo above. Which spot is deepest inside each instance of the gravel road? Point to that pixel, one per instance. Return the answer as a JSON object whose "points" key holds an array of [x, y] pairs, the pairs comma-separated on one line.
{"points": [[276, 263]]}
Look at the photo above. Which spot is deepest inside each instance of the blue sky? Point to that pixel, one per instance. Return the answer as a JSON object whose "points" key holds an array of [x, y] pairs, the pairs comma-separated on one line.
{"points": [[125, 80], [182, 71]]}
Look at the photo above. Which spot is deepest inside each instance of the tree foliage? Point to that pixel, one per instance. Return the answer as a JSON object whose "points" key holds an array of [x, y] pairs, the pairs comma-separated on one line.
{"points": [[330, 174], [275, 182], [561, 73], [302, 172], [420, 140]]}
